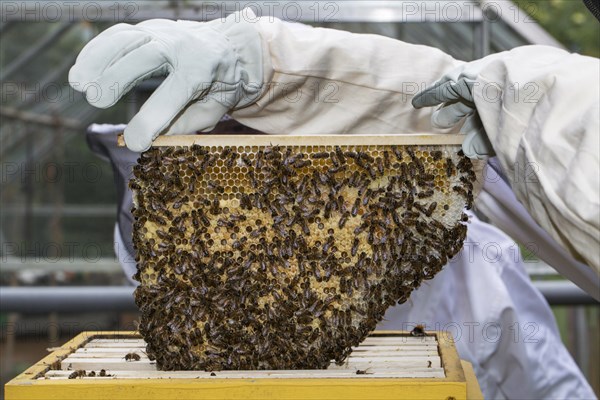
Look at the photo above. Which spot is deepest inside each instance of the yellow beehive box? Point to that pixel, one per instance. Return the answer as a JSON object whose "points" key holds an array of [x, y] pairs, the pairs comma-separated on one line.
{"points": [[387, 365]]}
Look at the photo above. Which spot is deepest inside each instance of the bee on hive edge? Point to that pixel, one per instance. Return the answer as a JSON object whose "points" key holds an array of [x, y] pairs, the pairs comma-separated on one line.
{"points": [[363, 372], [418, 331], [80, 373], [132, 357]]}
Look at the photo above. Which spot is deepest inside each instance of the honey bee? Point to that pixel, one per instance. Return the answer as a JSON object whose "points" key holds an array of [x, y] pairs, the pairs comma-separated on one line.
{"points": [[245, 202], [132, 357], [464, 164], [215, 208], [363, 372], [231, 161], [259, 162], [371, 172], [365, 156], [253, 180], [355, 207], [246, 160], [367, 197], [380, 166], [215, 186], [299, 164], [226, 152], [320, 155], [418, 331], [431, 209], [460, 190], [328, 244], [397, 153], [449, 168], [355, 244], [466, 182], [340, 154], [386, 159], [354, 179], [335, 170], [328, 209], [80, 373]]}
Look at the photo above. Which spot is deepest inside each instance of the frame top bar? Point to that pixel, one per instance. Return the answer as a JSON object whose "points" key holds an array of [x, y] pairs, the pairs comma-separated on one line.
{"points": [[306, 140]]}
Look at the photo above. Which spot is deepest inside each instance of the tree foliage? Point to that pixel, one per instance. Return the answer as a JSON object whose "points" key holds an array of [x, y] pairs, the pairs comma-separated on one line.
{"points": [[569, 21]]}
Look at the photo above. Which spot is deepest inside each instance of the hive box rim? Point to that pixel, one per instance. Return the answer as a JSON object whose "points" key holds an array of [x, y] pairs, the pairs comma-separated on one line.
{"points": [[402, 139], [27, 386]]}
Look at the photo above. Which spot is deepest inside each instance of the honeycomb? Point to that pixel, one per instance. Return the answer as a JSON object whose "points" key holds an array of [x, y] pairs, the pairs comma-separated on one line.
{"points": [[285, 257]]}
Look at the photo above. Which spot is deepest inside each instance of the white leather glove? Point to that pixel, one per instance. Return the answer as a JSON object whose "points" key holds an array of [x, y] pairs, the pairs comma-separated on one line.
{"points": [[454, 93], [212, 67]]}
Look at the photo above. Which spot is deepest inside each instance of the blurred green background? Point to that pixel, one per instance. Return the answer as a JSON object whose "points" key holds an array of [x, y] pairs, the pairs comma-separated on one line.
{"points": [[569, 21]]}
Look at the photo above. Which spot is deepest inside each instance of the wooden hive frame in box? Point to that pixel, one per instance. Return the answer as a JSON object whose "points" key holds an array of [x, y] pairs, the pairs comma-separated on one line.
{"points": [[283, 252], [388, 365]]}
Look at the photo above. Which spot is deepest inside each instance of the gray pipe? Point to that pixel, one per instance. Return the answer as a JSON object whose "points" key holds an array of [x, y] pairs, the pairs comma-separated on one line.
{"points": [[36, 300], [563, 293]]}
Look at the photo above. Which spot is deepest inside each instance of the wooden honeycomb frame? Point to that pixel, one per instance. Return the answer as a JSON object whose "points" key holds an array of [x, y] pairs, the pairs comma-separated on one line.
{"points": [[274, 252]]}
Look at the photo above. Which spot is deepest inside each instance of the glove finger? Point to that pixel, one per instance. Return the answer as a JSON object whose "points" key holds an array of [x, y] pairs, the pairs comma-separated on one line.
{"points": [[165, 104], [163, 23], [450, 114], [447, 91], [427, 98], [472, 124], [476, 144], [102, 52], [126, 72], [202, 115], [103, 36]]}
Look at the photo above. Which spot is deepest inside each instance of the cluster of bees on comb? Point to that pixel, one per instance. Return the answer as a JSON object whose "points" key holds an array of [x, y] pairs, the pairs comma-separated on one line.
{"points": [[285, 257]]}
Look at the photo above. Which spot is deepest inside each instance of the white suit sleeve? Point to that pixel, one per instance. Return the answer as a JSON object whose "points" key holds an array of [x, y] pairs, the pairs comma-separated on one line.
{"points": [[540, 108], [325, 81], [498, 202]]}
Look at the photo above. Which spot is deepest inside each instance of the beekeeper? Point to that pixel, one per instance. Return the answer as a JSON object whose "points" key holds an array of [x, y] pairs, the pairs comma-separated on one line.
{"points": [[286, 78]]}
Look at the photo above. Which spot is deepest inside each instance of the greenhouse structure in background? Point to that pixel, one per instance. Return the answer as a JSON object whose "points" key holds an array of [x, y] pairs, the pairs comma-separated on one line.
{"points": [[58, 200]]}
